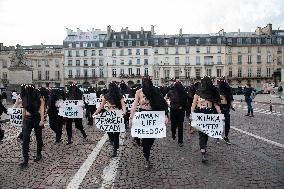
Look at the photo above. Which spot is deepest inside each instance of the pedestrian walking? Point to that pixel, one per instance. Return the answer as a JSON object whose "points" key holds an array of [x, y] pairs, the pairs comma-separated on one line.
{"points": [[90, 109], [14, 96], [178, 102], [249, 94], [150, 99], [205, 100], [115, 101]]}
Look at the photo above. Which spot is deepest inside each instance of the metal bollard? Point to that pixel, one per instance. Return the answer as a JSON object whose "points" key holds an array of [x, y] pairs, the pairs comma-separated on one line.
{"points": [[270, 106]]}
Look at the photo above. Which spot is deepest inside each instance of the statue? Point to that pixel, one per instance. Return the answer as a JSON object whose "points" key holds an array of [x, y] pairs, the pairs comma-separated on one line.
{"points": [[18, 58]]}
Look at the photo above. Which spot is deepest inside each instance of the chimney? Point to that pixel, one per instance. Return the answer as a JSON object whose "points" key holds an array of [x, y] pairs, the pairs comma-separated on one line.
{"points": [[152, 30], [142, 30], [269, 27], [126, 29], [108, 31], [78, 30], [180, 31], [239, 31], [258, 31]]}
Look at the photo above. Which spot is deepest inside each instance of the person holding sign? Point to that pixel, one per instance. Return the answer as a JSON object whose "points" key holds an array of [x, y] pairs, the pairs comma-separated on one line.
{"points": [[55, 120], [205, 100], [150, 99], [18, 104], [90, 108], [74, 93], [225, 105], [115, 101], [125, 91], [178, 101], [33, 118]]}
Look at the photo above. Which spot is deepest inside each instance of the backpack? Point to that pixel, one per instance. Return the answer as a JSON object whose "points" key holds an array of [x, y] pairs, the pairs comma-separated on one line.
{"points": [[253, 94]]}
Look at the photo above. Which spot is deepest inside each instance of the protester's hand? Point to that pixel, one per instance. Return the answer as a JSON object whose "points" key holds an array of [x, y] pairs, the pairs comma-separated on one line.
{"points": [[41, 123], [94, 116]]}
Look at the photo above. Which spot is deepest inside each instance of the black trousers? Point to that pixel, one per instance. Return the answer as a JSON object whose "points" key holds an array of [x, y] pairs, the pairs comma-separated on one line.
{"points": [[226, 113], [114, 137], [78, 125], [31, 123], [56, 124], [177, 119], [147, 144], [89, 113], [203, 138]]}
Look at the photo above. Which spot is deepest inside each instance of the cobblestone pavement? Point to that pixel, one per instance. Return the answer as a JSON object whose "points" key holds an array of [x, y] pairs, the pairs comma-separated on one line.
{"points": [[249, 162]]}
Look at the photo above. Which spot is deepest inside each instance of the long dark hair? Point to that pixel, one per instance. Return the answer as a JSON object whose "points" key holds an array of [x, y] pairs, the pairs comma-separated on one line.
{"points": [[208, 91], [23, 88], [74, 93], [55, 95], [113, 96], [180, 93], [225, 90], [152, 93], [124, 89], [31, 100]]}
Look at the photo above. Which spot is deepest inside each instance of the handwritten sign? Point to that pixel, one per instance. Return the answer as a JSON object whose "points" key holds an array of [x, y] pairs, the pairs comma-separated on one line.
{"points": [[98, 103], [16, 116], [90, 99], [149, 124], [71, 109], [210, 124], [110, 121]]}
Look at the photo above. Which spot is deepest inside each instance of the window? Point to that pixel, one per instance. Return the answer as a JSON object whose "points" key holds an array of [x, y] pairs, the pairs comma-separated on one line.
{"points": [[268, 59], [69, 62], [122, 36], [93, 72], [229, 41], [176, 60], [187, 50], [57, 75], [166, 42], [208, 41], [137, 43], [93, 62], [197, 50], [239, 50], [113, 61], [268, 50], [77, 45], [130, 62], [167, 73], [121, 52], [145, 51], [279, 60], [70, 74], [219, 61], [101, 72], [77, 53], [207, 50], [258, 49], [230, 59], [258, 59], [219, 40], [166, 60], [138, 36], [137, 51], [113, 53], [156, 41], [176, 50], [258, 72], [138, 61], [129, 51], [85, 62], [279, 41], [69, 53], [121, 43], [78, 73], [249, 49], [85, 53], [122, 62], [70, 45], [219, 72], [130, 71], [100, 52], [197, 60], [209, 72], [258, 40], [239, 59], [146, 72], [279, 50], [176, 41], [121, 71], [77, 62], [39, 75], [268, 72], [219, 50], [56, 63], [47, 75], [46, 63], [249, 59], [113, 44], [239, 41], [145, 43], [93, 53], [156, 51], [166, 50], [101, 62], [197, 73], [197, 41], [85, 44], [177, 73], [230, 72], [249, 72], [248, 40], [85, 73], [129, 43], [268, 41], [187, 60], [113, 72], [156, 74], [239, 72], [39, 63], [145, 61], [187, 73], [229, 50], [137, 71]]}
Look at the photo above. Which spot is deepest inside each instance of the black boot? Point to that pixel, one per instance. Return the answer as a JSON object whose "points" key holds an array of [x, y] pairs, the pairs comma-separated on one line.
{"points": [[69, 142], [38, 157], [148, 165], [84, 134], [24, 164], [1, 134], [204, 159], [114, 153]]}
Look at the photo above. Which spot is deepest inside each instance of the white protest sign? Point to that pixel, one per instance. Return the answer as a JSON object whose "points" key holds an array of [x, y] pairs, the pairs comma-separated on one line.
{"points": [[128, 103], [16, 116], [110, 121], [90, 99], [98, 103], [149, 124], [71, 109], [210, 124]]}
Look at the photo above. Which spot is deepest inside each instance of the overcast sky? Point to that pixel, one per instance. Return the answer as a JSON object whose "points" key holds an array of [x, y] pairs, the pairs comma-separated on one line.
{"points": [[30, 22]]}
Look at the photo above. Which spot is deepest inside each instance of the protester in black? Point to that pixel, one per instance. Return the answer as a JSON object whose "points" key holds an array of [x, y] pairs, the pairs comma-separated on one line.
{"points": [[206, 98], [125, 91], [248, 90], [90, 109], [178, 101], [2, 110], [225, 105], [115, 101], [74, 93], [55, 121], [150, 99], [191, 90], [33, 118]]}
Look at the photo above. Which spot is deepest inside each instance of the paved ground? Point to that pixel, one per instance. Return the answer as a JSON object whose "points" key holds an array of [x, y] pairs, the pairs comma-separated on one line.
{"points": [[254, 160], [263, 98]]}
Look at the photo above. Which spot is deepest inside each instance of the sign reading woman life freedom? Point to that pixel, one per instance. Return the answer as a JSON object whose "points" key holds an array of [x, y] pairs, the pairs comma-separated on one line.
{"points": [[210, 124], [149, 124]]}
